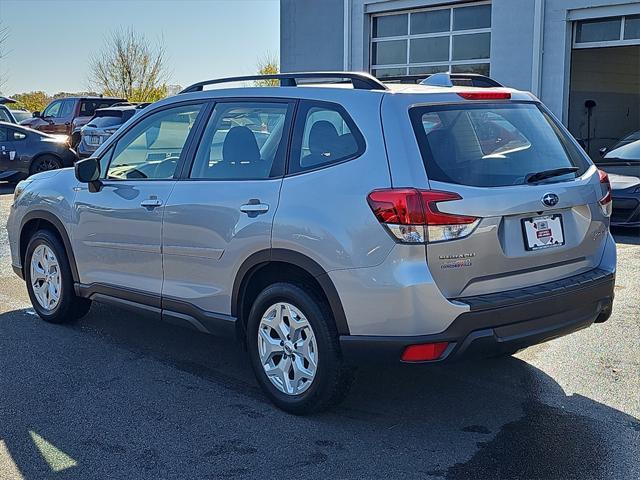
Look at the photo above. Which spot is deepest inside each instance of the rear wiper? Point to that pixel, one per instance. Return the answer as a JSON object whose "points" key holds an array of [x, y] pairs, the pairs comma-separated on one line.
{"points": [[555, 172]]}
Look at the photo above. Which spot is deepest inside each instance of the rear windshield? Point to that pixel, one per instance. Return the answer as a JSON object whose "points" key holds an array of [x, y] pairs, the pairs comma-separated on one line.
{"points": [[109, 118], [491, 145]]}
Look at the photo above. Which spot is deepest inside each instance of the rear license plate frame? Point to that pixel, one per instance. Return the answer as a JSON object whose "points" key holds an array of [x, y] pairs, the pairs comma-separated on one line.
{"points": [[530, 245]]}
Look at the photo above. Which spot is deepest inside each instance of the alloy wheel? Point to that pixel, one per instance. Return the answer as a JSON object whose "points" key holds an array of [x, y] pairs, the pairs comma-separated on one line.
{"points": [[46, 280], [287, 348]]}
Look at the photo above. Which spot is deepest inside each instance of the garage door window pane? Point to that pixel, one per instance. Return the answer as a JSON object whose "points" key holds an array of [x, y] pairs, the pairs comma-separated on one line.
{"points": [[430, 22], [389, 72], [469, 18], [390, 25], [470, 47], [388, 53], [598, 30], [428, 70], [479, 68], [632, 27], [425, 50]]}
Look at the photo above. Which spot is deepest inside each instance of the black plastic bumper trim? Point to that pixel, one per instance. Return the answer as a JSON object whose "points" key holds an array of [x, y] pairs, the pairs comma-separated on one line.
{"points": [[503, 322]]}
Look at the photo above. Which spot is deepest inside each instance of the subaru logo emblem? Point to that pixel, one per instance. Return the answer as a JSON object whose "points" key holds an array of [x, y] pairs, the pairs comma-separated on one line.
{"points": [[550, 199]]}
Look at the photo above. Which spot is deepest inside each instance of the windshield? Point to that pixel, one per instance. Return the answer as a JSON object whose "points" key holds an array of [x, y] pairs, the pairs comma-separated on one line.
{"points": [[490, 145], [629, 151], [21, 115]]}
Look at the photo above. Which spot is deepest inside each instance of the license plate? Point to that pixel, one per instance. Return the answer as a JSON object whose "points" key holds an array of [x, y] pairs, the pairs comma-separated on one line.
{"points": [[543, 232], [94, 140]]}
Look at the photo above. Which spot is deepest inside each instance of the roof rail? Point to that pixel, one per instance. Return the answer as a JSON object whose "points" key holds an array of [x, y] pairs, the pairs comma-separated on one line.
{"points": [[359, 80], [460, 79]]}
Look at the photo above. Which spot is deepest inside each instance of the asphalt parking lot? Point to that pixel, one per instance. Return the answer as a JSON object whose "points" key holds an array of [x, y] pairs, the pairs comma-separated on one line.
{"points": [[121, 397]]}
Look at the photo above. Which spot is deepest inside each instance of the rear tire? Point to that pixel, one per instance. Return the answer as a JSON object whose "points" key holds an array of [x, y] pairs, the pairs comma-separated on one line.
{"points": [[44, 164], [50, 282], [307, 372]]}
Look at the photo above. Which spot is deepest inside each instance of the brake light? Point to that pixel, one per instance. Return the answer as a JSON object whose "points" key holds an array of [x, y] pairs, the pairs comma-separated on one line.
{"points": [[412, 216], [606, 202], [424, 352], [485, 95]]}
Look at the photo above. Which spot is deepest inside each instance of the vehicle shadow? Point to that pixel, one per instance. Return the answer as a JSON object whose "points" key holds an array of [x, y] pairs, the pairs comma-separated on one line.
{"points": [[6, 188], [120, 396], [630, 236]]}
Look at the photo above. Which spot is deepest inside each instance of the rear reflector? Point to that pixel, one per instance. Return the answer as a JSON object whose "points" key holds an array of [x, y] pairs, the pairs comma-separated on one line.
{"points": [[606, 203], [412, 215], [424, 352], [485, 95]]}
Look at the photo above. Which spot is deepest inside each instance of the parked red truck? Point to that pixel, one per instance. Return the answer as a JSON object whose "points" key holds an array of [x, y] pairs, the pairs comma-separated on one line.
{"points": [[66, 115]]}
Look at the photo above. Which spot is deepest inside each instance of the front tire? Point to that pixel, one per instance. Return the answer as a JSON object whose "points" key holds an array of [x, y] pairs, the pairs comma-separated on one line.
{"points": [[294, 351], [49, 280]]}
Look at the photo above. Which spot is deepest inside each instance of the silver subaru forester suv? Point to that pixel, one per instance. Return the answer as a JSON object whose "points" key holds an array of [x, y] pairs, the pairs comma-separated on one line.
{"points": [[330, 222]]}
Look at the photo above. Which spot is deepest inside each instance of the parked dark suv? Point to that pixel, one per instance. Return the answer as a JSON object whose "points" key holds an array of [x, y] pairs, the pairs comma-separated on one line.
{"points": [[66, 115]]}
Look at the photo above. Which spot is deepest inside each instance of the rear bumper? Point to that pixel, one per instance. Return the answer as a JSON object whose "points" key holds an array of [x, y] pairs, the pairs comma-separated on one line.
{"points": [[503, 322]]}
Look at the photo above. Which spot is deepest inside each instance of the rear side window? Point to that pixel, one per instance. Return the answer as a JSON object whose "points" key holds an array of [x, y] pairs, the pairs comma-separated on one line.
{"points": [[4, 116], [88, 107], [67, 108], [325, 135], [243, 140], [488, 145]]}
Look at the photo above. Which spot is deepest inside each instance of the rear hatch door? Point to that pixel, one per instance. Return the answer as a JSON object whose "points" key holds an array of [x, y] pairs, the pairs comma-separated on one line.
{"points": [[535, 193]]}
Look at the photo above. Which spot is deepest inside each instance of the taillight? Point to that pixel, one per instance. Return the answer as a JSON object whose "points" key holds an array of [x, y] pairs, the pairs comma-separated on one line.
{"points": [[606, 203], [412, 216], [485, 95]]}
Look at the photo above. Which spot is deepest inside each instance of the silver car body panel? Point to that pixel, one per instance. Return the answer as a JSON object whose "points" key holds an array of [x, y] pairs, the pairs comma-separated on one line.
{"points": [[116, 240], [206, 238]]}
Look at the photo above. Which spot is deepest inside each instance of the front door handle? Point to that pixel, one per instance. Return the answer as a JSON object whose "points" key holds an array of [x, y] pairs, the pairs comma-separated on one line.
{"points": [[254, 207], [151, 203]]}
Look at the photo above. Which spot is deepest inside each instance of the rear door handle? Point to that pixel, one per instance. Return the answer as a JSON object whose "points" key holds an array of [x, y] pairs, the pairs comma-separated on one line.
{"points": [[254, 208], [151, 203]]}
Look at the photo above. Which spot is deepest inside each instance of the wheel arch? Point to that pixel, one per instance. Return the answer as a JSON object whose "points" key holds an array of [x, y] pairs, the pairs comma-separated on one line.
{"points": [[37, 220], [46, 154], [284, 262]]}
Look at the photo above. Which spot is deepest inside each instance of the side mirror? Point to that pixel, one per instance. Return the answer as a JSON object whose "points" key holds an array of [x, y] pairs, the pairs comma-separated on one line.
{"points": [[36, 114], [88, 171]]}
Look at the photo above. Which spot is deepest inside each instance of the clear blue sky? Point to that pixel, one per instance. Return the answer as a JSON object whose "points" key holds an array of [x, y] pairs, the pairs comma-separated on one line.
{"points": [[50, 41]]}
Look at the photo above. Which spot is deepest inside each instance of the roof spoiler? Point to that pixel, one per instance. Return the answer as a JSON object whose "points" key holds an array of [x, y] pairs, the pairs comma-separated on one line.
{"points": [[460, 79], [359, 80]]}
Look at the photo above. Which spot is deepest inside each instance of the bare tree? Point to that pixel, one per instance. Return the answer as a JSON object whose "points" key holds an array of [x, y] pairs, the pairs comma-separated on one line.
{"points": [[268, 64], [130, 66], [4, 36]]}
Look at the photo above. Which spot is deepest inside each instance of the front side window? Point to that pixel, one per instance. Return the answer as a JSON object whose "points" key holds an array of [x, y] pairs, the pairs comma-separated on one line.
{"points": [[53, 109], [492, 145], [328, 136], [3, 134], [243, 140], [152, 148]]}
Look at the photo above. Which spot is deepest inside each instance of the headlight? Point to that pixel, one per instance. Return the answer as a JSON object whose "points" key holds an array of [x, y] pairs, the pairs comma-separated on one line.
{"points": [[20, 187]]}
